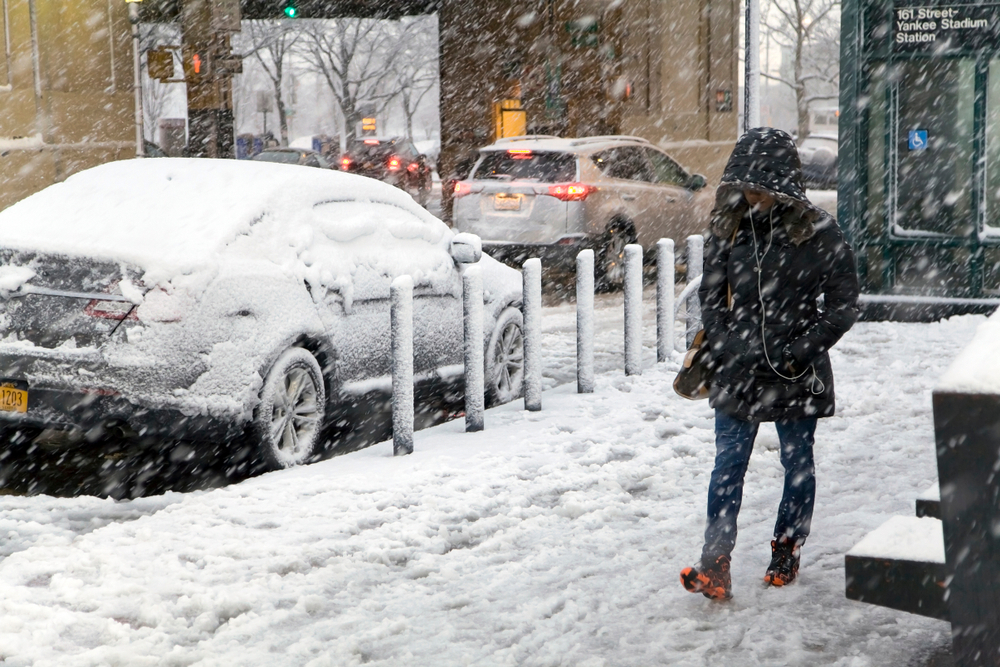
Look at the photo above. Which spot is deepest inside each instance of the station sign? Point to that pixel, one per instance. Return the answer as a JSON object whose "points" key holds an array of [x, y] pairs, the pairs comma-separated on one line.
{"points": [[947, 29]]}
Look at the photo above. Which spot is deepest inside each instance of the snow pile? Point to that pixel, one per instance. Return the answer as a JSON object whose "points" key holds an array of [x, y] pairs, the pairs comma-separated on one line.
{"points": [[912, 538], [550, 538], [173, 216], [977, 368]]}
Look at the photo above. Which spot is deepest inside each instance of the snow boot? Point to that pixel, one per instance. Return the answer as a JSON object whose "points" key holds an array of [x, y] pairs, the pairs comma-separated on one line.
{"points": [[711, 580], [784, 563]]}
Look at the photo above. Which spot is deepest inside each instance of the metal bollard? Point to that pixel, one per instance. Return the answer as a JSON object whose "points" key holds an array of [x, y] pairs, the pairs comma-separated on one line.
{"points": [[472, 299], [532, 300], [633, 309], [585, 322], [695, 265], [664, 299], [401, 293]]}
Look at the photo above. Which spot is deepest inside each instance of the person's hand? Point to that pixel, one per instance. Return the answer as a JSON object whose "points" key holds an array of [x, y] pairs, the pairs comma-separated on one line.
{"points": [[789, 365]]}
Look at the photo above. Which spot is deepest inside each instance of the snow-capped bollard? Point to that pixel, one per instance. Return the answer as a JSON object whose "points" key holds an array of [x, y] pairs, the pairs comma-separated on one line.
{"points": [[472, 298], [664, 299], [633, 309], [585, 322], [695, 265], [401, 293], [532, 300]]}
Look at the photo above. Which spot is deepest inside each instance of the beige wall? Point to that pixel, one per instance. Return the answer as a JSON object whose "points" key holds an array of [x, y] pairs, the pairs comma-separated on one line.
{"points": [[84, 114]]}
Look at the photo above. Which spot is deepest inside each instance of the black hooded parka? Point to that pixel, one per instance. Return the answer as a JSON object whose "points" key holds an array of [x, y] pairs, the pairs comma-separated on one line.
{"points": [[793, 286]]}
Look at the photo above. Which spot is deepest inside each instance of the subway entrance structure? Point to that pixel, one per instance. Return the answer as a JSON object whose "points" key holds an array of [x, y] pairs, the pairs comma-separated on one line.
{"points": [[919, 171]]}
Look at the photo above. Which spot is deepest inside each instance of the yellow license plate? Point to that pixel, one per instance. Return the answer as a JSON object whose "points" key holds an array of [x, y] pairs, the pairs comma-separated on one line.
{"points": [[503, 202], [13, 398]]}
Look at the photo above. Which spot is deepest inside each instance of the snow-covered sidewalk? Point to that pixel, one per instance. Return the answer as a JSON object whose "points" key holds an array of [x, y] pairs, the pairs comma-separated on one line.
{"points": [[551, 538]]}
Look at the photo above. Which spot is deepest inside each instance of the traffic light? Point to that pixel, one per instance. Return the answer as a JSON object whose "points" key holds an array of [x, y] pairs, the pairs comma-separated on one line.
{"points": [[290, 8]]}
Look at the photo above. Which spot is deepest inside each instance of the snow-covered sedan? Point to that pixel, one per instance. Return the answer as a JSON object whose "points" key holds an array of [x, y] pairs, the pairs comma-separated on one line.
{"points": [[216, 300]]}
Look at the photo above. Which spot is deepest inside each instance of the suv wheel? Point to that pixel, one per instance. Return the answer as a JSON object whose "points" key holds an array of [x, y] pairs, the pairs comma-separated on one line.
{"points": [[610, 265]]}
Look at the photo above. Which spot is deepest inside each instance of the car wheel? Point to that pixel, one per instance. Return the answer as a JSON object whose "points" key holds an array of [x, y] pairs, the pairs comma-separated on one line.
{"points": [[289, 419], [610, 267], [505, 359]]}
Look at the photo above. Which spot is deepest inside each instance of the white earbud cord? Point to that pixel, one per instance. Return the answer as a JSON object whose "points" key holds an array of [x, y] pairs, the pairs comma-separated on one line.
{"points": [[763, 307]]}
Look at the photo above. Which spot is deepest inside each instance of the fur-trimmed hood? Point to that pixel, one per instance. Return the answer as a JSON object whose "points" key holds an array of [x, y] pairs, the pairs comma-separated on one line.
{"points": [[765, 160]]}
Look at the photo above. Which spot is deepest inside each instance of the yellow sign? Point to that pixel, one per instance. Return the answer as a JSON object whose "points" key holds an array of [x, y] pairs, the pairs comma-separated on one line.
{"points": [[511, 120], [368, 124]]}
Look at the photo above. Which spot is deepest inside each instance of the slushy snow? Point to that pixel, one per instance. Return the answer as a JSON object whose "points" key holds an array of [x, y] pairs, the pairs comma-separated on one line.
{"points": [[550, 538]]}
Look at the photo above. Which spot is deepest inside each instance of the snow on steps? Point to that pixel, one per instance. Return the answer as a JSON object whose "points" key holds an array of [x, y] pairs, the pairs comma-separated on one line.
{"points": [[901, 564]]}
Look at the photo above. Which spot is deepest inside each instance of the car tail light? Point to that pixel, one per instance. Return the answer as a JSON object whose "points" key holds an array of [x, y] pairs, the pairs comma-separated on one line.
{"points": [[519, 153], [371, 142], [393, 163], [413, 166], [109, 309], [570, 191], [345, 163], [462, 188]]}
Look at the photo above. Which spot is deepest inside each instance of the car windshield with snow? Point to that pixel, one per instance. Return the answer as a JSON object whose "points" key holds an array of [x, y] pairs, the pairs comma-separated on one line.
{"points": [[226, 301], [551, 197]]}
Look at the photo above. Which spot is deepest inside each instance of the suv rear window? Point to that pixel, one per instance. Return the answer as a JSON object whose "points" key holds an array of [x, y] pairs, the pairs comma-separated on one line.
{"points": [[544, 167]]}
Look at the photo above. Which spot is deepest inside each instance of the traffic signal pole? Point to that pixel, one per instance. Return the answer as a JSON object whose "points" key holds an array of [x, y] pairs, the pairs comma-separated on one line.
{"points": [[209, 65]]}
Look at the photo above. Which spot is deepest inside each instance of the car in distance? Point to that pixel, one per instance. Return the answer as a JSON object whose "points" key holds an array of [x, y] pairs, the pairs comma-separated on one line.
{"points": [[223, 301], [552, 197], [393, 160], [303, 156], [818, 153]]}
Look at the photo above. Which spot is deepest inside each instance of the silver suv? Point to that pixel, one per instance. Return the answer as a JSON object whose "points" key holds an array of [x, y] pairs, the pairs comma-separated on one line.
{"points": [[551, 197]]}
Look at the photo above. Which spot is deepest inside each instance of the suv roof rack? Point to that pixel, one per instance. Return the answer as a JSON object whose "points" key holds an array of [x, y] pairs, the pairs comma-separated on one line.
{"points": [[609, 137], [525, 137]]}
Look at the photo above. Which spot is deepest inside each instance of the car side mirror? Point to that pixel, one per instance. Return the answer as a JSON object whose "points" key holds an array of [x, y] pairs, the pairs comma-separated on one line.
{"points": [[697, 182], [466, 248]]}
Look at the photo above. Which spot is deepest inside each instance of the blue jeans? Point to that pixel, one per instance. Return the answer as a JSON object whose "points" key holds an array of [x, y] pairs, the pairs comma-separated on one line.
{"points": [[734, 440]]}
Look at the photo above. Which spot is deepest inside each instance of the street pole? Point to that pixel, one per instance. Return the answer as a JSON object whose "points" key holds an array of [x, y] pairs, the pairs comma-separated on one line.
{"points": [[133, 17], [751, 83]]}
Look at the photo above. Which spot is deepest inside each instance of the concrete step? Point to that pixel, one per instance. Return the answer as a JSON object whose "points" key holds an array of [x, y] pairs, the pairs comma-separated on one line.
{"points": [[929, 502], [900, 565]]}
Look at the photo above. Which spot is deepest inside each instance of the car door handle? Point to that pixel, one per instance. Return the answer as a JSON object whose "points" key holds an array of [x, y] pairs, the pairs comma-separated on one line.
{"points": [[628, 197]]}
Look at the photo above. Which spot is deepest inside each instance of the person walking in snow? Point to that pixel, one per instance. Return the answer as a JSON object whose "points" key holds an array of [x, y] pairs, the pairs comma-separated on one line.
{"points": [[779, 289]]}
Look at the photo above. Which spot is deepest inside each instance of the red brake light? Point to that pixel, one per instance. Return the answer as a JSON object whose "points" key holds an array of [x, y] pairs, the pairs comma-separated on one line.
{"points": [[345, 163], [462, 188], [111, 309], [570, 191], [371, 142], [413, 166], [393, 163], [519, 153]]}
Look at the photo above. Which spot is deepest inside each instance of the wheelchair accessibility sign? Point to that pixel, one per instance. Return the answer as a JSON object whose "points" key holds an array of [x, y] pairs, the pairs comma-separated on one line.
{"points": [[918, 140]]}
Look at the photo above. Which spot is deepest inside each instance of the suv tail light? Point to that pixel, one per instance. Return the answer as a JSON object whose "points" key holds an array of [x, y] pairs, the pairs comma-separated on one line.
{"points": [[393, 163], [462, 188], [570, 191], [345, 163]]}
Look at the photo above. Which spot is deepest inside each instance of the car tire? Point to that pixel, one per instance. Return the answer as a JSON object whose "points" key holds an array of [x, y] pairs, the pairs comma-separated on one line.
{"points": [[505, 359], [289, 419], [610, 266]]}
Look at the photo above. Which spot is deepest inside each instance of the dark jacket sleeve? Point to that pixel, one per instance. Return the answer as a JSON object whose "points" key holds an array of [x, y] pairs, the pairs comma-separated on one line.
{"points": [[839, 287], [714, 294]]}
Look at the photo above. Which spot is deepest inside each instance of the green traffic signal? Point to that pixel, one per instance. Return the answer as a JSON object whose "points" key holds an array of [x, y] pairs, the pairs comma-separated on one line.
{"points": [[291, 12]]}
